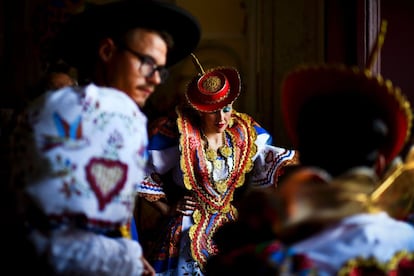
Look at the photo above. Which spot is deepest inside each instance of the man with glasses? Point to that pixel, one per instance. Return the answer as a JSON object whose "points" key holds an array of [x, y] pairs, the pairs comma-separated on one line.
{"points": [[81, 151], [127, 46]]}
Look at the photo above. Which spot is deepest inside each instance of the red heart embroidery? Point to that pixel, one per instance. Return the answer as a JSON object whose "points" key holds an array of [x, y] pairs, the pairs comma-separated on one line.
{"points": [[106, 177]]}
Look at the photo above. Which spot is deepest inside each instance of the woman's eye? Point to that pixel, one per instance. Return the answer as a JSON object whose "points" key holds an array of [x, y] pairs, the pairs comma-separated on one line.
{"points": [[227, 109]]}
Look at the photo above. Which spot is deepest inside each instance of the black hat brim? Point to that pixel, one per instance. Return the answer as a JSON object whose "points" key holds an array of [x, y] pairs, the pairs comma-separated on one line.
{"points": [[79, 37]]}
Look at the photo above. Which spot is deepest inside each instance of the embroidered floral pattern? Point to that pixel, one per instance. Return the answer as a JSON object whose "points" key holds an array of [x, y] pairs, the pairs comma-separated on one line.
{"points": [[86, 151]]}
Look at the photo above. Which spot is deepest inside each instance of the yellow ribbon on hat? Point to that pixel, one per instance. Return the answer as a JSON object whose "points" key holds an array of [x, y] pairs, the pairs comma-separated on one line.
{"points": [[378, 45], [197, 64], [397, 188]]}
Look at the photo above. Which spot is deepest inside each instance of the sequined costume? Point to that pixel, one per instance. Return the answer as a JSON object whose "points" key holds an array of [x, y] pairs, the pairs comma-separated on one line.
{"points": [[213, 186]]}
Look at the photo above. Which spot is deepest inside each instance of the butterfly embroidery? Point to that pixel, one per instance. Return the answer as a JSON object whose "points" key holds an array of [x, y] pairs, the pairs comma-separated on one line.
{"points": [[69, 135]]}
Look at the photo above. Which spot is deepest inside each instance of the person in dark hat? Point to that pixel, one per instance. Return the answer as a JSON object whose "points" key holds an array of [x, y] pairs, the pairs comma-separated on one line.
{"points": [[206, 152], [348, 126], [78, 152], [128, 45], [374, 115]]}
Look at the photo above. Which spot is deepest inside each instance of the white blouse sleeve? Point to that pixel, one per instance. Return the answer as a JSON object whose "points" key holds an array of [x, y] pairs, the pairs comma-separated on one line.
{"points": [[269, 162]]}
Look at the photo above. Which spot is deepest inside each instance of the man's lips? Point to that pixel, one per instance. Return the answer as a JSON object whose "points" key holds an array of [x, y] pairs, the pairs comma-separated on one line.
{"points": [[147, 91]]}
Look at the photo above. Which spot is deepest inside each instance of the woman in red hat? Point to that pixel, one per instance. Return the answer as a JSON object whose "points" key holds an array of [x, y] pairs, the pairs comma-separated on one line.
{"points": [[204, 155]]}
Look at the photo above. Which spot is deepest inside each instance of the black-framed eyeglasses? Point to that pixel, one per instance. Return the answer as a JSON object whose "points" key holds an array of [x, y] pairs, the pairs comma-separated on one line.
{"points": [[148, 66]]}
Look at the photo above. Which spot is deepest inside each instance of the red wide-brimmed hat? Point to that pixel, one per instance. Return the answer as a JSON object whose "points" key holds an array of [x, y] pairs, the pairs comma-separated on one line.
{"points": [[308, 82], [214, 89]]}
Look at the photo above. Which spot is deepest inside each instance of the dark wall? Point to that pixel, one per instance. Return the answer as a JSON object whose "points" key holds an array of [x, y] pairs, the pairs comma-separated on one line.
{"points": [[26, 30], [397, 58], [26, 24]]}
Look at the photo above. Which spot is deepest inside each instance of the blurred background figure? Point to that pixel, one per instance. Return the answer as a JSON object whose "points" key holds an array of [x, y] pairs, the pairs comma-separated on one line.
{"points": [[348, 126]]}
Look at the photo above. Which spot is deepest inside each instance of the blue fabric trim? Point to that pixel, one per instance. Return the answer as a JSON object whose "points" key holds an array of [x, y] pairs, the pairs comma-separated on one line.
{"points": [[260, 130], [165, 265], [160, 141], [134, 232]]}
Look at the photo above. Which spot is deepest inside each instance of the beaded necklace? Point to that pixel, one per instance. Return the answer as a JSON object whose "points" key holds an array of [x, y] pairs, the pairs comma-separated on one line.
{"points": [[211, 154], [217, 165]]}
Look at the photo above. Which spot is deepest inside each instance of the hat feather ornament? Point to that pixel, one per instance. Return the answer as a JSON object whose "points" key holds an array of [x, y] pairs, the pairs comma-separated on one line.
{"points": [[197, 64]]}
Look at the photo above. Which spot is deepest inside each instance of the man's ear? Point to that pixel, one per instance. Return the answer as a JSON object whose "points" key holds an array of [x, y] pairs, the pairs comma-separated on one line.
{"points": [[106, 50]]}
